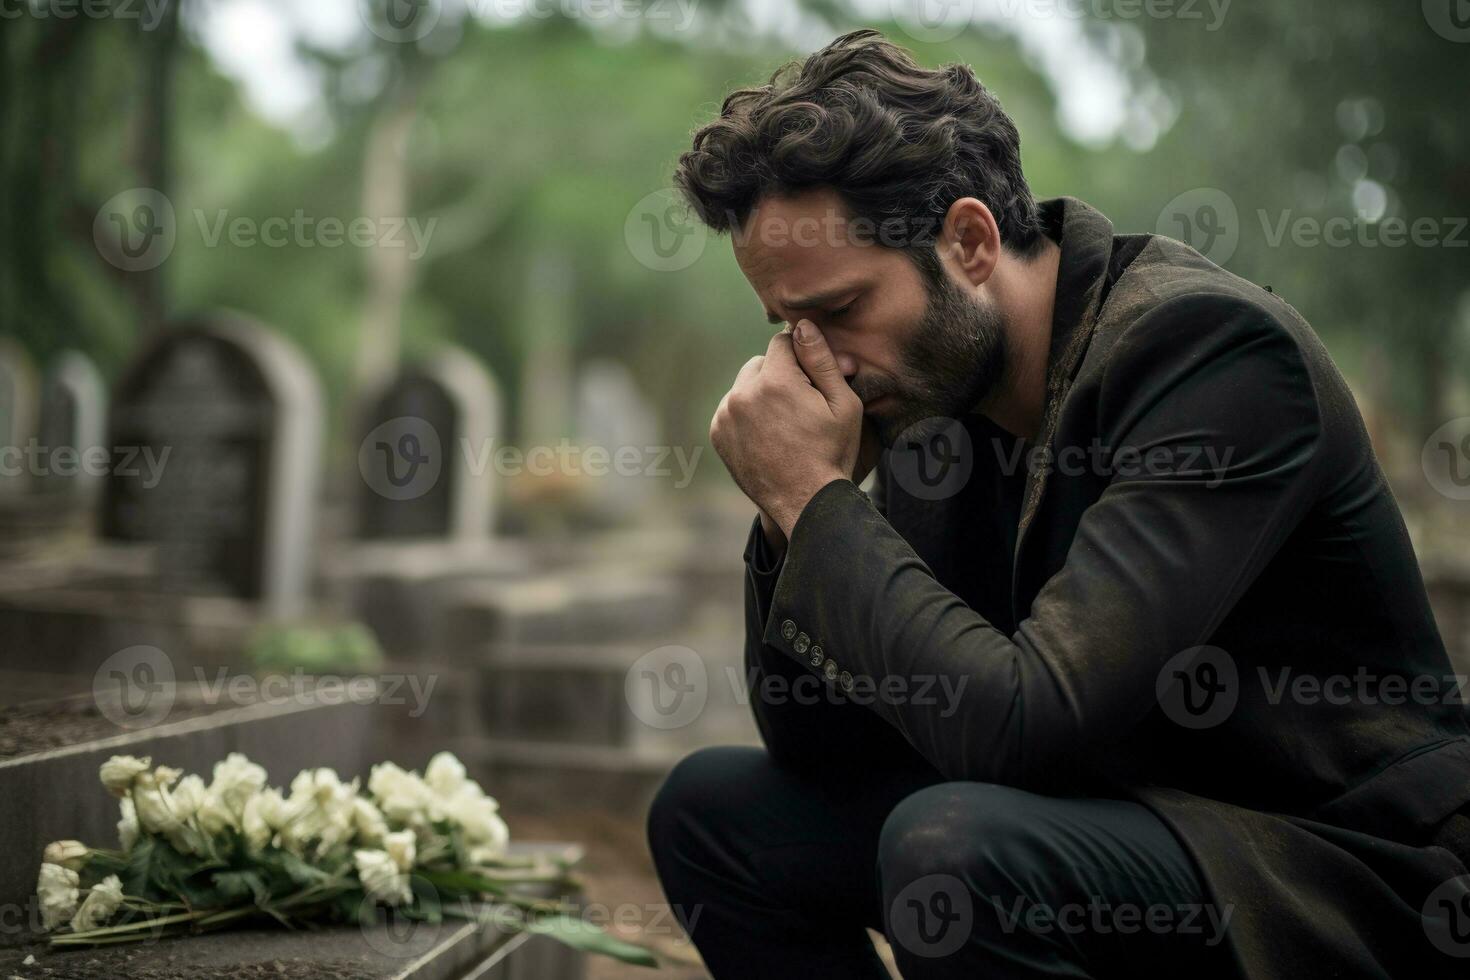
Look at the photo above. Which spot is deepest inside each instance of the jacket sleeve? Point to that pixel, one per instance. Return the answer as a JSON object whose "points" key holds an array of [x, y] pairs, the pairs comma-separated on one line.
{"points": [[1217, 394], [804, 722]]}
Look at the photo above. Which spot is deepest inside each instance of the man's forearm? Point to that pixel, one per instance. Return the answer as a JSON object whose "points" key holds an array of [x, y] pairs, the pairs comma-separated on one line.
{"points": [[804, 723]]}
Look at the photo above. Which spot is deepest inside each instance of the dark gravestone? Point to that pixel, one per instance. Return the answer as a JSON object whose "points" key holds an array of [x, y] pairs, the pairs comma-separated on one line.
{"points": [[215, 436], [426, 458]]}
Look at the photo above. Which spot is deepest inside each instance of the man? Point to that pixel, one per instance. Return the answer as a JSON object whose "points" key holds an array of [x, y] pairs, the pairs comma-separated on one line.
{"points": [[1124, 667]]}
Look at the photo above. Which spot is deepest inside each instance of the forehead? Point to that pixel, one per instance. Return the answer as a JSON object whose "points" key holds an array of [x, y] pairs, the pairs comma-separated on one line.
{"points": [[794, 246]]}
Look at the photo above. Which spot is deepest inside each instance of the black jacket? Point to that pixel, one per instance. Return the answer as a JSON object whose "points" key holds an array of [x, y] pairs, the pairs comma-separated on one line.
{"points": [[1199, 594]]}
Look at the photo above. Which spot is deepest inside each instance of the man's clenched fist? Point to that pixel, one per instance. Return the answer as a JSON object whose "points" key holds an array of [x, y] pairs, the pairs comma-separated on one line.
{"points": [[790, 425]]}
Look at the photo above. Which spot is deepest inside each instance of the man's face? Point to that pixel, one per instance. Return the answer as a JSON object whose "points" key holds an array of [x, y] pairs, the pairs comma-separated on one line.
{"points": [[912, 350]]}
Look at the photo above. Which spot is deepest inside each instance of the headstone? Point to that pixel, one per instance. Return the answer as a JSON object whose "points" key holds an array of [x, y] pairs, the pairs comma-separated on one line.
{"points": [[215, 435], [426, 459], [614, 417], [17, 413], [73, 425]]}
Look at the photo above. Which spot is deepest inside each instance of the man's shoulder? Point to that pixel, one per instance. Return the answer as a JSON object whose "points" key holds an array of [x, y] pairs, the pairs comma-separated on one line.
{"points": [[1170, 298]]}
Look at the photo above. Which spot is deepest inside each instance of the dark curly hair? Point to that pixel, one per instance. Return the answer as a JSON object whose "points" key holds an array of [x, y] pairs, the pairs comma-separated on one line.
{"points": [[899, 143]]}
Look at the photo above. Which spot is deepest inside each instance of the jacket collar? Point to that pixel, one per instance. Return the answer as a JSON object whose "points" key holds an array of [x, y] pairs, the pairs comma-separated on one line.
{"points": [[1086, 237]]}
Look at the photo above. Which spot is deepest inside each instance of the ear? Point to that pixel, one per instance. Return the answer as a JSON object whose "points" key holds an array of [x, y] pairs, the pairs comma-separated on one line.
{"points": [[969, 241]]}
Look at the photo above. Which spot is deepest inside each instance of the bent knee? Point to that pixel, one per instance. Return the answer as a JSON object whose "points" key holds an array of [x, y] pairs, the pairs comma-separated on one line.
{"points": [[697, 792], [969, 830]]}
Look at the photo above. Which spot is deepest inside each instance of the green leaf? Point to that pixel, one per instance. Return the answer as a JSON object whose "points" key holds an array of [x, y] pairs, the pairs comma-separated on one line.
{"points": [[456, 884], [583, 935], [300, 871], [351, 905], [241, 886], [427, 902], [137, 874]]}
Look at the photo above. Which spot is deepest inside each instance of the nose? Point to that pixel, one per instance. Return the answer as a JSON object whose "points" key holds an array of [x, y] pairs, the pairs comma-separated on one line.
{"points": [[847, 364]]}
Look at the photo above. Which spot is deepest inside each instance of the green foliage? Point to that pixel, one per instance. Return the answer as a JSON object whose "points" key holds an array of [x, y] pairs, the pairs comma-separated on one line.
{"points": [[314, 648], [530, 144]]}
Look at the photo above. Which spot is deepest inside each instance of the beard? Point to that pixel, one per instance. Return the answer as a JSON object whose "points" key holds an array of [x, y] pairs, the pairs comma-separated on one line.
{"points": [[953, 362]]}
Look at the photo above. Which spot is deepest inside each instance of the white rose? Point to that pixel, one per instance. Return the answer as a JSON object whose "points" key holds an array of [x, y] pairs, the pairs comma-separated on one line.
{"points": [[127, 827], [381, 878], [67, 853], [403, 797], [213, 815], [156, 813], [253, 824], [445, 774], [400, 848], [323, 810], [57, 889], [479, 816], [368, 821], [189, 796], [118, 773], [102, 902], [236, 779]]}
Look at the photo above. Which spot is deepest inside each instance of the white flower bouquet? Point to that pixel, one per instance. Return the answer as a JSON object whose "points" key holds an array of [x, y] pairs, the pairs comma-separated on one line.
{"points": [[197, 857]]}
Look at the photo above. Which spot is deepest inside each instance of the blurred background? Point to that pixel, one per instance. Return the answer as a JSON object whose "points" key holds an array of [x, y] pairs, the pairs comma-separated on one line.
{"points": [[352, 339]]}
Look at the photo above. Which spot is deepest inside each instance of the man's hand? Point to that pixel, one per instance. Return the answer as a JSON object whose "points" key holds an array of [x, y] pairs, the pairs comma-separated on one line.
{"points": [[790, 425]]}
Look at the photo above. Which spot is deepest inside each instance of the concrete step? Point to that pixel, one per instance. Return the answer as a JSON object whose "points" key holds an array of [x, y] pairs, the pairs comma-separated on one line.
{"points": [[391, 948], [565, 607], [52, 792]]}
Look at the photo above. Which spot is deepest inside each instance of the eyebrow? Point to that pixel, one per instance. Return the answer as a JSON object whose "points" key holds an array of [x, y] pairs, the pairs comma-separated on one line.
{"points": [[815, 300]]}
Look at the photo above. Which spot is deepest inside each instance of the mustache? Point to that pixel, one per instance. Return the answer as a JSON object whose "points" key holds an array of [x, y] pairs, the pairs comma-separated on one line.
{"points": [[869, 387]]}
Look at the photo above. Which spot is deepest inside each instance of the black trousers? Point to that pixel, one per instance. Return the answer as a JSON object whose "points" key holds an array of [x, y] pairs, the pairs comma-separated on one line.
{"points": [[775, 873]]}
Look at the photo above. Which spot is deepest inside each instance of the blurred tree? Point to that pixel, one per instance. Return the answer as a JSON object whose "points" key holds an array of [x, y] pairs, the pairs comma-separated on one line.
{"points": [[1312, 112]]}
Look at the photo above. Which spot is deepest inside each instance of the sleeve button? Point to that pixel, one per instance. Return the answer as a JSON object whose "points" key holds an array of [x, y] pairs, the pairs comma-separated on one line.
{"points": [[788, 629], [844, 681], [814, 657], [801, 642], [829, 670]]}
